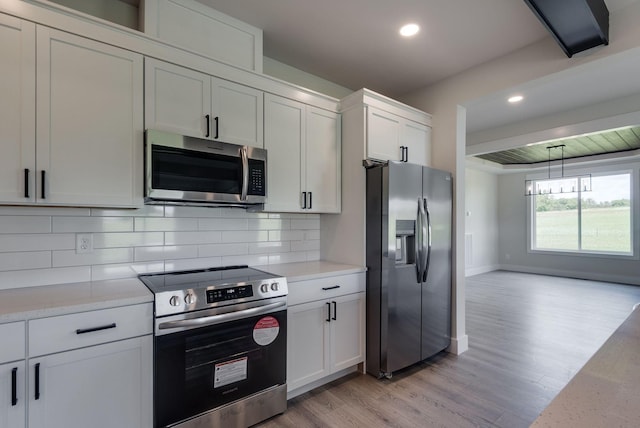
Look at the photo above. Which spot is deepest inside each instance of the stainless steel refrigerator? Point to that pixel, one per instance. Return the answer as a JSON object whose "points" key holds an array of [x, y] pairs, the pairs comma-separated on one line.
{"points": [[408, 236]]}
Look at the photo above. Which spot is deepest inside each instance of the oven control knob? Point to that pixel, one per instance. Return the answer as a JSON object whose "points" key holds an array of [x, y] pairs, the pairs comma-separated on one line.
{"points": [[190, 299], [274, 286], [174, 301], [264, 288]]}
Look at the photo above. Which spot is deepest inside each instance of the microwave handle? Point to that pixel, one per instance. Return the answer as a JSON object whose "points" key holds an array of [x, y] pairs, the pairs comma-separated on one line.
{"points": [[245, 173]]}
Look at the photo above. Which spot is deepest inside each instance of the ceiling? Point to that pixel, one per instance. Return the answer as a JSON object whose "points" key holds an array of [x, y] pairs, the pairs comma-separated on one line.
{"points": [[614, 141], [355, 44]]}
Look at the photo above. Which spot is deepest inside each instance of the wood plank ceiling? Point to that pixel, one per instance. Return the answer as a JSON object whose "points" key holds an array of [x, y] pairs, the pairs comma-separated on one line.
{"points": [[613, 141]]}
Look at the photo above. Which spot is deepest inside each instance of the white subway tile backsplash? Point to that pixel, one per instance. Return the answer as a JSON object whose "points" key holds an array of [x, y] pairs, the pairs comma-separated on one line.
{"points": [[222, 224], [124, 270], [92, 224], [219, 250], [149, 224], [269, 247], [144, 211], [30, 260], [96, 257], [187, 238], [127, 239], [25, 224], [275, 259], [245, 236], [305, 245], [305, 224], [269, 224], [145, 254], [36, 277], [37, 242], [286, 235]]}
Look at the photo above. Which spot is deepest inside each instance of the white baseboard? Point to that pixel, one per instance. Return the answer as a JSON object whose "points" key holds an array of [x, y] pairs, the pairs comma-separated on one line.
{"points": [[480, 269], [458, 345], [308, 387], [593, 276]]}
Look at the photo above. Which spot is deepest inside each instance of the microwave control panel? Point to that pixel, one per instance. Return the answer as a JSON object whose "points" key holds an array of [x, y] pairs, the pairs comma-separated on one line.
{"points": [[256, 178]]}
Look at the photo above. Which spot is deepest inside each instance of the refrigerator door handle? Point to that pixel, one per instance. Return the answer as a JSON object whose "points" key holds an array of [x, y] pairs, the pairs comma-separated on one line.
{"points": [[428, 241], [418, 242]]}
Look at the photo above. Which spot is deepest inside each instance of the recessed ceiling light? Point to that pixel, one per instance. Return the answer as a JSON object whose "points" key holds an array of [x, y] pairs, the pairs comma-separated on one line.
{"points": [[409, 30], [515, 99]]}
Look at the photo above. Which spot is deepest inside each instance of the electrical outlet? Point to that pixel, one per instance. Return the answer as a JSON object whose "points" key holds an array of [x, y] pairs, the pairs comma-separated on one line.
{"points": [[84, 243]]}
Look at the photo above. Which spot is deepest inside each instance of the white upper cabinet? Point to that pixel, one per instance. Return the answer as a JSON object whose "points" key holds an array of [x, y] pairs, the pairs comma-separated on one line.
{"points": [[392, 131], [304, 152], [392, 137], [17, 109], [197, 27], [85, 147], [187, 102], [89, 121]]}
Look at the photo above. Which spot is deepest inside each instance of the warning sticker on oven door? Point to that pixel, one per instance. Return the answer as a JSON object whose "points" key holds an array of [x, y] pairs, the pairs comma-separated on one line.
{"points": [[266, 330], [230, 372]]}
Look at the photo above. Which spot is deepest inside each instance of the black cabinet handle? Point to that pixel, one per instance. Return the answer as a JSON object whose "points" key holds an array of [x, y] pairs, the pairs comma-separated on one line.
{"points": [[37, 393], [401, 153], [335, 310], [14, 386], [310, 200], [304, 200], [26, 182], [208, 120], [92, 329], [328, 312], [43, 174], [406, 154], [333, 287], [216, 119]]}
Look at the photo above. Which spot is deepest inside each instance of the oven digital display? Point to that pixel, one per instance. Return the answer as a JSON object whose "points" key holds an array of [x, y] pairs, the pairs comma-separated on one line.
{"points": [[230, 293]]}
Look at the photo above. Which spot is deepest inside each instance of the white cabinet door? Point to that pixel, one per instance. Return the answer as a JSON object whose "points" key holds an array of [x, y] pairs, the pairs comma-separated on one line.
{"points": [[308, 343], [347, 331], [12, 406], [177, 99], [322, 166], [284, 129], [237, 113], [17, 110], [100, 386], [304, 150], [89, 122], [415, 137], [383, 135]]}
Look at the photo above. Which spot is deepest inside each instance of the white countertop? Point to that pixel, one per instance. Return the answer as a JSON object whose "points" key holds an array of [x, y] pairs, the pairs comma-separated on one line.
{"points": [[606, 391], [36, 302], [302, 271]]}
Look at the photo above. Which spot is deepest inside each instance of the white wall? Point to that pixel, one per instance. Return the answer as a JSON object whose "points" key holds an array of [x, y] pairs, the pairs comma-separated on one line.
{"points": [[514, 251], [37, 245], [481, 226], [298, 77]]}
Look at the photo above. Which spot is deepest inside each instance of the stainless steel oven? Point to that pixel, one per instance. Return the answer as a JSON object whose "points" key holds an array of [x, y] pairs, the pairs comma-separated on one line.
{"points": [[195, 171], [219, 348]]}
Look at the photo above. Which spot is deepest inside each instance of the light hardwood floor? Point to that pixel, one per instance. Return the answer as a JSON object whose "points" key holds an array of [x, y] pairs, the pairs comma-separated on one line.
{"points": [[528, 335]]}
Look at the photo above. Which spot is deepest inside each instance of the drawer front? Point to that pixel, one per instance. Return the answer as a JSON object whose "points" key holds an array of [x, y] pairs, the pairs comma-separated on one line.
{"points": [[13, 341], [61, 333], [325, 288]]}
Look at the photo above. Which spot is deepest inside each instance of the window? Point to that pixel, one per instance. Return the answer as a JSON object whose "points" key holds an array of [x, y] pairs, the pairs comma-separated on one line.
{"points": [[598, 221]]}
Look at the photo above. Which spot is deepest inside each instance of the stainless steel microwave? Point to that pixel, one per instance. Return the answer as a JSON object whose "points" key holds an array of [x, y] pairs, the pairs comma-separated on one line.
{"points": [[193, 171]]}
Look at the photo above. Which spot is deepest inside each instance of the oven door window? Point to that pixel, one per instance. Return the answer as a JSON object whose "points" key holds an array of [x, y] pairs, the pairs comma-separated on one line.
{"points": [[195, 171], [204, 368]]}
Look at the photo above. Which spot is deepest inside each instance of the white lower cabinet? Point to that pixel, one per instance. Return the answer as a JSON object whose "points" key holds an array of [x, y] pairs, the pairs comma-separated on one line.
{"points": [[325, 335], [12, 395], [90, 369], [106, 385]]}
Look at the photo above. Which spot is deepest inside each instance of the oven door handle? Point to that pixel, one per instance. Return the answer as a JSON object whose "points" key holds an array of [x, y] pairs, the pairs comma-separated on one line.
{"points": [[217, 319]]}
